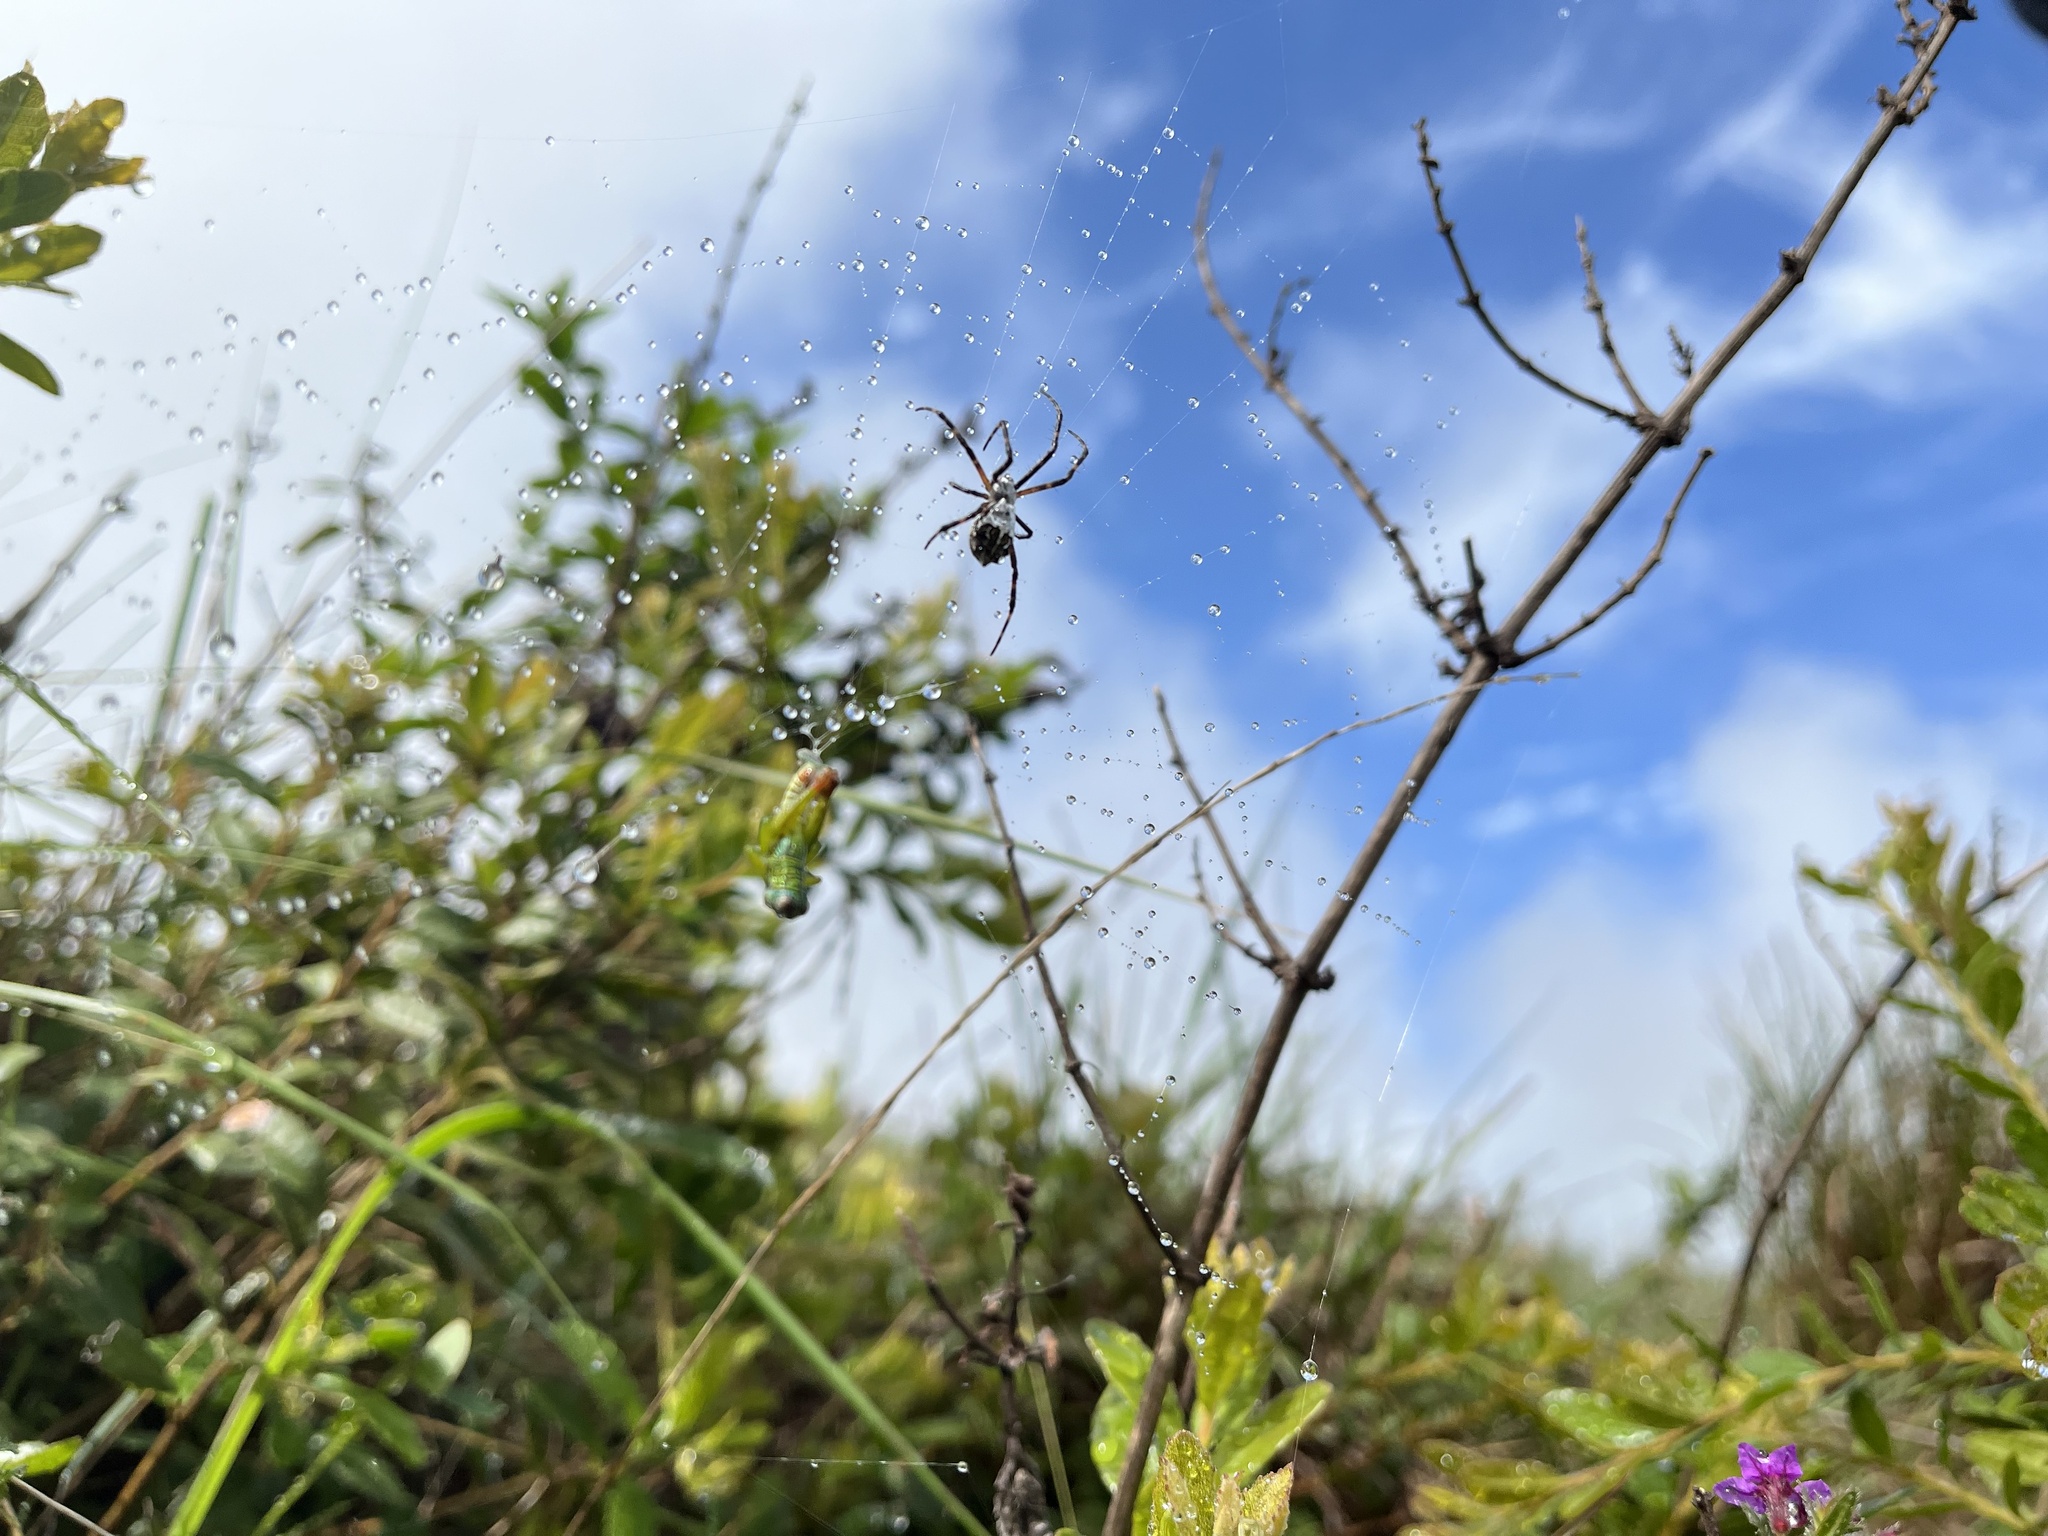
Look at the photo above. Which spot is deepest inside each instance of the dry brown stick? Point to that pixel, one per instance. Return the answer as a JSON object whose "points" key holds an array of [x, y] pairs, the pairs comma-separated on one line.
{"points": [[1276, 382], [1280, 956], [1472, 301], [1772, 1199], [1219, 920], [1112, 1140], [1627, 589], [1480, 668], [1597, 308]]}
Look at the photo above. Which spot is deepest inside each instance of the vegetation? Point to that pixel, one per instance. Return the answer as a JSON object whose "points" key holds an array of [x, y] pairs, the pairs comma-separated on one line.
{"points": [[384, 1143]]}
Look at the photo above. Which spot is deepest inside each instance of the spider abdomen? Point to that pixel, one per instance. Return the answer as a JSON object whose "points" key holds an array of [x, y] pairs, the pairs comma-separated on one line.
{"points": [[989, 541]]}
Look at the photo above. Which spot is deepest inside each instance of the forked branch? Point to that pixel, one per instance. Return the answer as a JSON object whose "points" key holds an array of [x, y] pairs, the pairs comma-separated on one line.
{"points": [[1627, 589], [1473, 301], [1273, 376], [1482, 666], [1597, 308]]}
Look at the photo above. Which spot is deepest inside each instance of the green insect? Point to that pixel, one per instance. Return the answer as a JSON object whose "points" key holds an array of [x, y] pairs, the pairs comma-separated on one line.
{"points": [[790, 834]]}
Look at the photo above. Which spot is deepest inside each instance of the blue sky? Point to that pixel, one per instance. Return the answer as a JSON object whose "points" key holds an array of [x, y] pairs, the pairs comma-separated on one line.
{"points": [[1845, 609]]}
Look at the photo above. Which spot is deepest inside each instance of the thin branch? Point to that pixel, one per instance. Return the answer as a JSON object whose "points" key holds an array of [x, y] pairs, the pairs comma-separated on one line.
{"points": [[1220, 921], [1472, 300], [1597, 308], [1274, 948], [1105, 1128], [714, 318], [974, 1345], [61, 1509], [1627, 589], [1772, 1198], [1480, 670], [1276, 382]]}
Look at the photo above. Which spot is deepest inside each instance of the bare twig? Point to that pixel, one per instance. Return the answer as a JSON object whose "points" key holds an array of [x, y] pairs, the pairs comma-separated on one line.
{"points": [[1112, 1140], [1471, 298], [736, 244], [1597, 308], [63, 1510], [998, 1343], [113, 505], [1277, 957], [1430, 603], [1481, 666], [1772, 1198], [1627, 589]]}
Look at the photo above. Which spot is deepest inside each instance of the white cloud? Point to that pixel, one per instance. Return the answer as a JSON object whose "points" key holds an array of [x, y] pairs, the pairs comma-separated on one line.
{"points": [[1619, 979]]}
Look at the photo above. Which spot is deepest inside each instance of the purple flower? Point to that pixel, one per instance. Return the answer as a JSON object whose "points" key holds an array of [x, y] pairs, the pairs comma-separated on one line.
{"points": [[1770, 1489]]}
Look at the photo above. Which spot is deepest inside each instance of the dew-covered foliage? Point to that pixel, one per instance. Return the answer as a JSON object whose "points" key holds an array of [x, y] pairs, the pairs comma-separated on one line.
{"points": [[388, 1145]]}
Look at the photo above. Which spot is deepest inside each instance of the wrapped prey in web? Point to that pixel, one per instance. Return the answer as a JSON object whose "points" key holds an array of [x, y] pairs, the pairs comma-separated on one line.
{"points": [[790, 835]]}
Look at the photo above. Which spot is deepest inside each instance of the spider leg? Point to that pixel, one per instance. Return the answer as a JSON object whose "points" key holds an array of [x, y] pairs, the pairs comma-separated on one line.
{"points": [[1012, 613], [964, 440], [955, 485], [1079, 459], [1009, 448], [949, 527], [1020, 528], [1059, 422]]}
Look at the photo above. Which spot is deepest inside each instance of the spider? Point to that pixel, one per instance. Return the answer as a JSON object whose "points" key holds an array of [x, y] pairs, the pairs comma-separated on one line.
{"points": [[996, 525]]}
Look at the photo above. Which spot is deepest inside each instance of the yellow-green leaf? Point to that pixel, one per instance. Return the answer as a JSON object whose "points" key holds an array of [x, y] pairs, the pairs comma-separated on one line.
{"points": [[24, 119], [1184, 1497]]}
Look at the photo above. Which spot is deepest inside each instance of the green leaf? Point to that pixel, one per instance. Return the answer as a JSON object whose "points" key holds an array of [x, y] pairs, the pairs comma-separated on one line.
{"points": [[2006, 1205], [16, 358], [2021, 1297], [1869, 1425], [1592, 1419], [628, 1510], [1264, 1511], [16, 1057], [1983, 1083], [2029, 1141], [30, 196], [1264, 1434], [1993, 980], [24, 119], [603, 1367], [1125, 1358], [78, 146], [1839, 1516], [42, 253], [2009, 1484], [2009, 1456], [1184, 1497], [1872, 1284], [391, 1424], [33, 1458], [1224, 1333], [120, 1350]]}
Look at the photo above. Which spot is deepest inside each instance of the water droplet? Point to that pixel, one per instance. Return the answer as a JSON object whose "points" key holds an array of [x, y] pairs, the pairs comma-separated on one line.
{"points": [[935, 309], [1167, 133], [1073, 618], [222, 645], [1027, 269], [1197, 559], [929, 690], [707, 245], [806, 344], [333, 307], [882, 346], [492, 577], [1309, 1370], [1215, 610], [1073, 141], [923, 222], [287, 339], [1194, 404], [229, 321]]}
